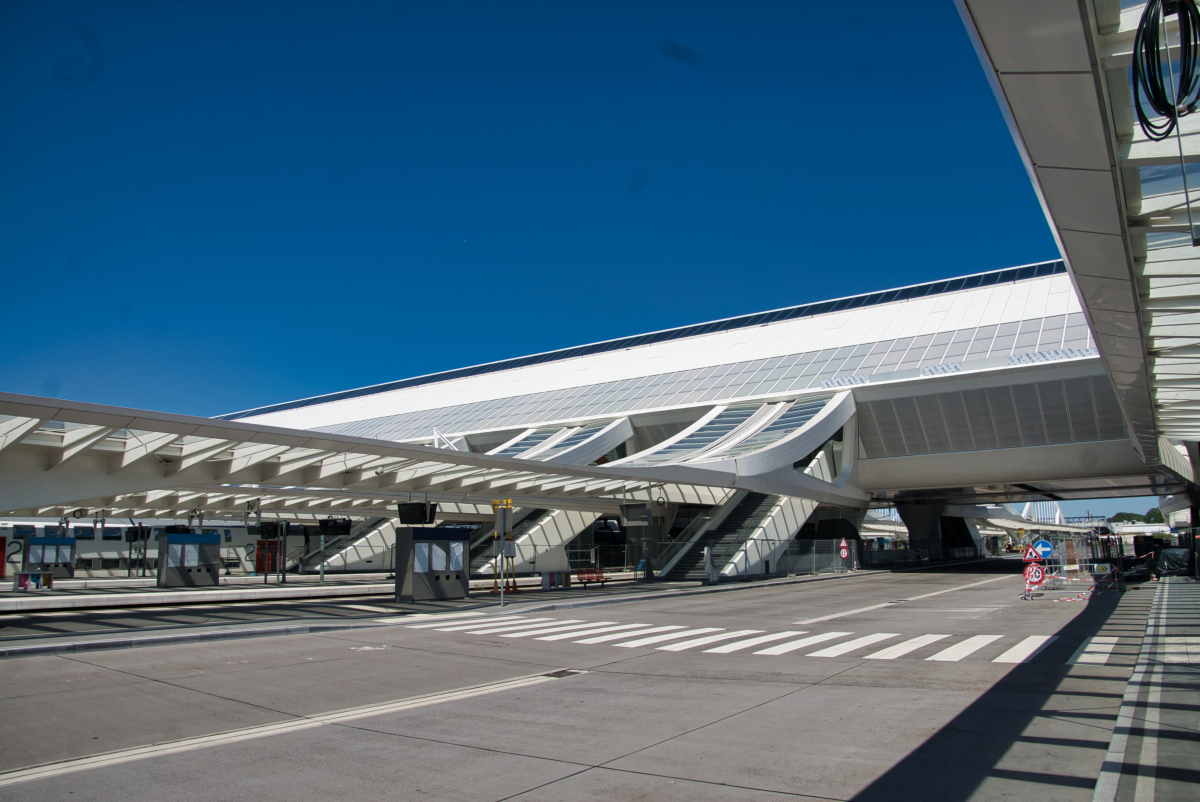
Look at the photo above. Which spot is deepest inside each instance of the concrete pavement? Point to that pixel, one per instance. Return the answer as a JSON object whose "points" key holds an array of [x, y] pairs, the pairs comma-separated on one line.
{"points": [[648, 720]]}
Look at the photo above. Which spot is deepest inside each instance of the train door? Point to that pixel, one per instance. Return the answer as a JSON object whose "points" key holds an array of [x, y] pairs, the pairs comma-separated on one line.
{"points": [[266, 557]]}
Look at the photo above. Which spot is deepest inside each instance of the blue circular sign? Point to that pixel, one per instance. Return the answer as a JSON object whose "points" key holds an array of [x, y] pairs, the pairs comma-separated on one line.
{"points": [[1044, 548]]}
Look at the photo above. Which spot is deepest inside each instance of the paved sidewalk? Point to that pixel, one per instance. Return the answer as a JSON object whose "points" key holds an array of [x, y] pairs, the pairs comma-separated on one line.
{"points": [[1155, 749]]}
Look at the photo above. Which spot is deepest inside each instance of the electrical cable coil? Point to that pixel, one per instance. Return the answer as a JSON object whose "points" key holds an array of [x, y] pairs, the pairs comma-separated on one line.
{"points": [[1169, 96]]}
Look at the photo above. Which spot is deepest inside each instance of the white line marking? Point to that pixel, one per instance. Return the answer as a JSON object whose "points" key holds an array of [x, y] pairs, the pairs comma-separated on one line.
{"points": [[1026, 650], [899, 601], [595, 631], [691, 644], [619, 635], [1094, 651], [901, 649], [264, 731], [1143, 789], [746, 644], [494, 630], [792, 646], [634, 644], [481, 624], [968, 647], [1113, 767], [443, 619], [857, 643], [548, 630]]}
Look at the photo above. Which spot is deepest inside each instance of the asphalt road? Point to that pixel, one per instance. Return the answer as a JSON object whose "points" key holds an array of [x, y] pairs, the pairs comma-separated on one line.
{"points": [[924, 685]]}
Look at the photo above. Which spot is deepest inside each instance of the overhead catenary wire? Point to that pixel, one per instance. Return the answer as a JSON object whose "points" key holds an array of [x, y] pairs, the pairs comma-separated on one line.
{"points": [[1154, 85]]}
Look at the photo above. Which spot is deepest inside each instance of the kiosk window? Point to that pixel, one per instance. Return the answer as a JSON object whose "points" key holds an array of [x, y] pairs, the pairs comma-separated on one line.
{"points": [[191, 555], [421, 558], [84, 532], [456, 556], [438, 556], [112, 533], [35, 554], [174, 554]]}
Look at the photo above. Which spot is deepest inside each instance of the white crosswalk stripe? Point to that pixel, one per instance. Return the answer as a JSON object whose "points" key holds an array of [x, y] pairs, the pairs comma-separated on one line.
{"points": [[853, 645], [960, 650], [619, 635], [1026, 650], [792, 646], [595, 631], [687, 633], [901, 649], [691, 644], [529, 633], [513, 627], [474, 621], [746, 644], [1093, 651], [1096, 650]]}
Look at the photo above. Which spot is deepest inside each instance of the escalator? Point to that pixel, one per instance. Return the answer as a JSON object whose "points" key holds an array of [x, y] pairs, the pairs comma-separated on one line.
{"points": [[725, 539]]}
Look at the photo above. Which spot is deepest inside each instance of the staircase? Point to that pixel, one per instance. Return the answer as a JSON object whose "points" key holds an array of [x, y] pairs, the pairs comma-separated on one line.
{"points": [[725, 539], [481, 550], [312, 561]]}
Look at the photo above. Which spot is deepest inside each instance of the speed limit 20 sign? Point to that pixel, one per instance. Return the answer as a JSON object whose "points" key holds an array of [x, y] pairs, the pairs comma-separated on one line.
{"points": [[1034, 575]]}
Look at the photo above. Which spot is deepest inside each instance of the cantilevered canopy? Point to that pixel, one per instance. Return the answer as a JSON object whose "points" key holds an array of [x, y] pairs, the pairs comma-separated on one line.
{"points": [[59, 456]]}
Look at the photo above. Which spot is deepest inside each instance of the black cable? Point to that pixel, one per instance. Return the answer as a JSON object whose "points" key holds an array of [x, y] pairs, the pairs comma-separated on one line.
{"points": [[1151, 80]]}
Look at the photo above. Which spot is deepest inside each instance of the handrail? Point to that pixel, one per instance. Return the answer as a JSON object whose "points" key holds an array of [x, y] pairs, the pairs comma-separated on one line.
{"points": [[665, 560], [332, 547]]}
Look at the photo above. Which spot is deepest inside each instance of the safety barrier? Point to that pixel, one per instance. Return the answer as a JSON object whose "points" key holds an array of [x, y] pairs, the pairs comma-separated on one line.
{"points": [[1071, 581]]}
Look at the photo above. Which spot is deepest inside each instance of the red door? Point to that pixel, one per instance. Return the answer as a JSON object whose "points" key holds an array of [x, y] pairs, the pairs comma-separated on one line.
{"points": [[266, 557]]}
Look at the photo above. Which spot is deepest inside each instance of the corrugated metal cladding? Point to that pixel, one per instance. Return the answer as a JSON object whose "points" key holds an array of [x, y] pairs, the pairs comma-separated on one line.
{"points": [[1045, 413]]}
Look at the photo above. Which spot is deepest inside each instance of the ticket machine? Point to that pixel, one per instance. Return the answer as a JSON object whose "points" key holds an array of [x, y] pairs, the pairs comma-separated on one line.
{"points": [[187, 559], [431, 562], [55, 555]]}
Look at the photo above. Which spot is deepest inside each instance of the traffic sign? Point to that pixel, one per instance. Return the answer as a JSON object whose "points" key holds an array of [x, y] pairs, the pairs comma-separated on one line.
{"points": [[844, 549], [1032, 555], [1044, 548], [1034, 575]]}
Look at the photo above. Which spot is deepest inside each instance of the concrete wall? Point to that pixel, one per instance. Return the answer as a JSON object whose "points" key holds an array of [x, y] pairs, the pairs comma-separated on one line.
{"points": [[543, 548]]}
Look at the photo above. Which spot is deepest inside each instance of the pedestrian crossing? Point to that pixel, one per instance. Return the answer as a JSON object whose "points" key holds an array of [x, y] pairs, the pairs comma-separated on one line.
{"points": [[933, 647]]}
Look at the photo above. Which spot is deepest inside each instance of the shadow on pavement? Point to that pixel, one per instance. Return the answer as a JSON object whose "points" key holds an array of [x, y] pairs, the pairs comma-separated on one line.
{"points": [[953, 763]]}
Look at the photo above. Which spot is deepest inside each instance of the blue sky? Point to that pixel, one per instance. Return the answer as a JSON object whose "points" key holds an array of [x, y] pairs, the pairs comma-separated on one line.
{"points": [[206, 207]]}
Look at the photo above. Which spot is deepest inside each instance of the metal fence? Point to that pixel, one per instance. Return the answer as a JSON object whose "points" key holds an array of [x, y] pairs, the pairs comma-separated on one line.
{"points": [[1075, 581], [610, 557], [817, 557]]}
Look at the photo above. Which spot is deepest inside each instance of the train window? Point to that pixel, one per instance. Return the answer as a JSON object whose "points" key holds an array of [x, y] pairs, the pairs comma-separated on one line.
{"points": [[209, 532], [228, 535], [84, 532], [49, 531], [112, 533], [110, 563], [83, 563], [158, 530], [24, 531]]}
